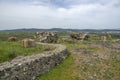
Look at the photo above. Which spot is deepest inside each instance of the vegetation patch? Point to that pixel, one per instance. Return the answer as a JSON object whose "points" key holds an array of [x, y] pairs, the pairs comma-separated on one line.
{"points": [[65, 71], [91, 61], [10, 50], [101, 61]]}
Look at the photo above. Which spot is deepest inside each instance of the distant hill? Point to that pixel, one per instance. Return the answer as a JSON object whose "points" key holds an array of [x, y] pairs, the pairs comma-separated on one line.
{"points": [[61, 30]]}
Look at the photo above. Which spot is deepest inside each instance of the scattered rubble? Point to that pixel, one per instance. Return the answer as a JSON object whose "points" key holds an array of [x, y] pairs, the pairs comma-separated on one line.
{"points": [[46, 37], [95, 65]]}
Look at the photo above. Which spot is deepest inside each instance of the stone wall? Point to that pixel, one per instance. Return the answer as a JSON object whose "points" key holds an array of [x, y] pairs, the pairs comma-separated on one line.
{"points": [[29, 67]]}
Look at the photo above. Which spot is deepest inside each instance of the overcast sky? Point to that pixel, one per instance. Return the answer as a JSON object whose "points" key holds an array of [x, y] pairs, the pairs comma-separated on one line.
{"points": [[81, 14]]}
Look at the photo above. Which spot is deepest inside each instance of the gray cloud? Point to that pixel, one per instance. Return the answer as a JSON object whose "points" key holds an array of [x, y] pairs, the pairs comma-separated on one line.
{"points": [[60, 3], [59, 13]]}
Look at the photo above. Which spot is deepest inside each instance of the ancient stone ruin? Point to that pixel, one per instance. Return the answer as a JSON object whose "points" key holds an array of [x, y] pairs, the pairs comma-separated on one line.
{"points": [[80, 36], [30, 67], [46, 37], [28, 43]]}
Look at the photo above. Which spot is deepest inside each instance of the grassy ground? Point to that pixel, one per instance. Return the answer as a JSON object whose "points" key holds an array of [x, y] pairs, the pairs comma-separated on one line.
{"points": [[20, 35], [10, 50], [65, 71], [89, 60]]}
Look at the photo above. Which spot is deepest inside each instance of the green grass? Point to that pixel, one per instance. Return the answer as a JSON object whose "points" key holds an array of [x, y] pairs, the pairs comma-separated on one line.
{"points": [[20, 35], [10, 50], [75, 44], [64, 71]]}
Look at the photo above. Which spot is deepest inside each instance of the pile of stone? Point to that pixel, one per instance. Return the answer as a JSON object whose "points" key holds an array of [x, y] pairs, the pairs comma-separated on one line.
{"points": [[80, 36], [46, 37]]}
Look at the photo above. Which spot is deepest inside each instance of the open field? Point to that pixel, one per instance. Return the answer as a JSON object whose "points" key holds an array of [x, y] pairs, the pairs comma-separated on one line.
{"points": [[10, 50], [88, 60]]}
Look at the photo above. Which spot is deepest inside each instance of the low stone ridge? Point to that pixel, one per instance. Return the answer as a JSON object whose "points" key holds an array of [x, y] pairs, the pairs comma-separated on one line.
{"points": [[30, 67]]}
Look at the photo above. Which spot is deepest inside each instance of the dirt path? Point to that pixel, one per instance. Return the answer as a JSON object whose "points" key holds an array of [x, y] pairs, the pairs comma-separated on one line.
{"points": [[99, 62]]}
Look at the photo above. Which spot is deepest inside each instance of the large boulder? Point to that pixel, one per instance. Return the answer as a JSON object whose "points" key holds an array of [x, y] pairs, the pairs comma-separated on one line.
{"points": [[79, 36], [75, 36], [86, 37]]}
